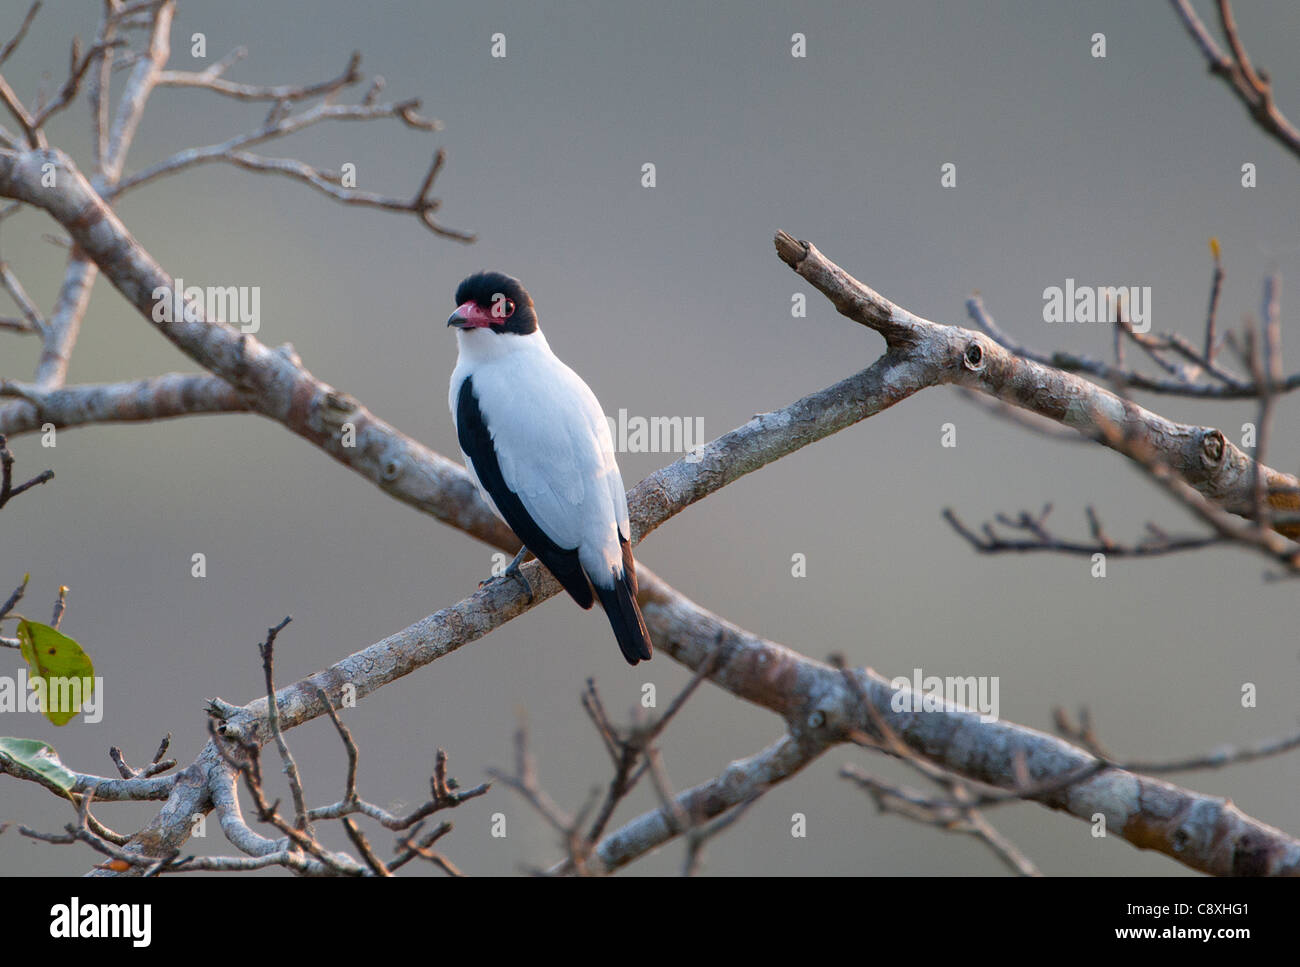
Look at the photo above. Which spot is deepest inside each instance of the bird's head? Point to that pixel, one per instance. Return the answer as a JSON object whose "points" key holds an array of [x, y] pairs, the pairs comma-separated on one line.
{"points": [[496, 302]]}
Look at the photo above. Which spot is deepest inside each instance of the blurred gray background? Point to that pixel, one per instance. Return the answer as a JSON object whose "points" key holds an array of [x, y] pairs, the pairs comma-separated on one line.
{"points": [[671, 302]]}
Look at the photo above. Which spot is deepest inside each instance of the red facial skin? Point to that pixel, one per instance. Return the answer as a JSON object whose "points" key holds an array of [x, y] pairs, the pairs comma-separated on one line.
{"points": [[471, 315]]}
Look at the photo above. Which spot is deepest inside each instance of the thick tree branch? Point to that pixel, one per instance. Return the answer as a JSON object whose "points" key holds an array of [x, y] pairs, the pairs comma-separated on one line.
{"points": [[1227, 387], [819, 709], [739, 783], [135, 95], [1200, 831], [157, 398], [920, 354], [1200, 457]]}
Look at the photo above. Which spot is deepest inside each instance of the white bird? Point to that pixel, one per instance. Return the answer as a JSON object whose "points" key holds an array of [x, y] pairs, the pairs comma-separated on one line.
{"points": [[536, 442]]}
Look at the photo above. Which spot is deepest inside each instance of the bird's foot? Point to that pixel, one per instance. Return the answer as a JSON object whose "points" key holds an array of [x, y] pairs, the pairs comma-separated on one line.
{"points": [[512, 571]]}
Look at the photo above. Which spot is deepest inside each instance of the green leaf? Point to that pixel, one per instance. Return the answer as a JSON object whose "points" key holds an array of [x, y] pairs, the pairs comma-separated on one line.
{"points": [[39, 758], [56, 659]]}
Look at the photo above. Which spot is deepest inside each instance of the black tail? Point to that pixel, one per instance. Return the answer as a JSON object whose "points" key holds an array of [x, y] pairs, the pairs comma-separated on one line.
{"points": [[620, 606]]}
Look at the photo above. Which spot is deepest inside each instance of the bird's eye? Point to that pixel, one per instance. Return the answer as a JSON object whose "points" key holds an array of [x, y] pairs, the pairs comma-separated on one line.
{"points": [[502, 308]]}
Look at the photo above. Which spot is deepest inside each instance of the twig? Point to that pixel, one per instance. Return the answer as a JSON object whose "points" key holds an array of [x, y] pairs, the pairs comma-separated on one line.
{"points": [[987, 541], [1084, 733], [7, 490], [211, 79], [60, 605], [32, 319], [945, 812], [15, 597], [1251, 86], [525, 782], [1227, 386], [267, 651], [17, 38]]}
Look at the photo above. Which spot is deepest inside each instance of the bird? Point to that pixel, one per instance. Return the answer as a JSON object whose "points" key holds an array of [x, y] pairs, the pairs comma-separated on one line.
{"points": [[536, 443]]}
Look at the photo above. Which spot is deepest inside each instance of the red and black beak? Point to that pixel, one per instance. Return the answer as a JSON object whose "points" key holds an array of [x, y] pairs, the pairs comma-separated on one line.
{"points": [[470, 315]]}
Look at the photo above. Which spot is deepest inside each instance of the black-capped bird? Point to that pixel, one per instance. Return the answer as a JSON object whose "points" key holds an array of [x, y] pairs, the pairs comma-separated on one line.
{"points": [[535, 440]]}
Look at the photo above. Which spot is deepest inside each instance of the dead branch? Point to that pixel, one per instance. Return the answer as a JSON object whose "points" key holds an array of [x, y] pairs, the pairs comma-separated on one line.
{"points": [[1250, 84], [987, 540], [7, 489]]}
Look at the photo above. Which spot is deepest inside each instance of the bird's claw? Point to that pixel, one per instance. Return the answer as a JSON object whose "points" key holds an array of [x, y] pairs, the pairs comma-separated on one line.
{"points": [[528, 588], [511, 571]]}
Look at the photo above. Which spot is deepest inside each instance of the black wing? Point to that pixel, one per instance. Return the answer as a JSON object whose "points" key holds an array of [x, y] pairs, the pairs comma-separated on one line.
{"points": [[476, 441]]}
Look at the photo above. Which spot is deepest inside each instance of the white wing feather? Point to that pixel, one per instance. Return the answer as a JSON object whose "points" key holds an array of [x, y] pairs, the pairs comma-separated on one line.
{"points": [[555, 451]]}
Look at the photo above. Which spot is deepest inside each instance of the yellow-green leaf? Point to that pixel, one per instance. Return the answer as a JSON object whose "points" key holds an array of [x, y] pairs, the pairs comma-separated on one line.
{"points": [[39, 758], [66, 674]]}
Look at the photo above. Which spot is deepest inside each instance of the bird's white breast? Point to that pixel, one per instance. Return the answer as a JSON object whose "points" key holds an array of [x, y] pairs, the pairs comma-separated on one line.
{"points": [[551, 439]]}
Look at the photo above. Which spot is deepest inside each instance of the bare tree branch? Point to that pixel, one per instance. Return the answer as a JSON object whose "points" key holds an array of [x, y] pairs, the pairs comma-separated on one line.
{"points": [[33, 322], [211, 79], [921, 354], [1251, 86], [7, 489], [1227, 386], [987, 541], [945, 812], [820, 708], [143, 400], [17, 38], [1201, 459]]}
